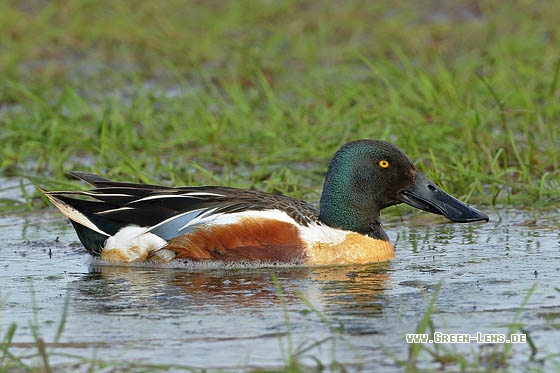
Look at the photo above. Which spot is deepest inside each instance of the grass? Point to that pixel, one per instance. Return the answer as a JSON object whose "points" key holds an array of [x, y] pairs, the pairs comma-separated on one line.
{"points": [[261, 94], [299, 356]]}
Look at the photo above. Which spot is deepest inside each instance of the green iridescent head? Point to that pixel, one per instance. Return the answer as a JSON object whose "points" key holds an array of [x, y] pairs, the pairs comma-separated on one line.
{"points": [[366, 176]]}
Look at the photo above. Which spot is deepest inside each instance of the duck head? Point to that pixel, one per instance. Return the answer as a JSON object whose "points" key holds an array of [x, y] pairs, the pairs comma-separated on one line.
{"points": [[366, 176]]}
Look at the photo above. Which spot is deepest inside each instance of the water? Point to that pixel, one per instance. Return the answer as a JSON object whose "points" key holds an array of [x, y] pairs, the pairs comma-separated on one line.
{"points": [[229, 318]]}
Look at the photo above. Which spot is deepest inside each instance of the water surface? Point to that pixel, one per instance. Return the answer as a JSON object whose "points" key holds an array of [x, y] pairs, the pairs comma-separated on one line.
{"points": [[229, 317]]}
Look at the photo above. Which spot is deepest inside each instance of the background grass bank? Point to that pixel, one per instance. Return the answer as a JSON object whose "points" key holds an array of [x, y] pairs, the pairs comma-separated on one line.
{"points": [[262, 93]]}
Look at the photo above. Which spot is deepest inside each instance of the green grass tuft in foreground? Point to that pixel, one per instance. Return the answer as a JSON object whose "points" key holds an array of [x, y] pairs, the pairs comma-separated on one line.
{"points": [[261, 94]]}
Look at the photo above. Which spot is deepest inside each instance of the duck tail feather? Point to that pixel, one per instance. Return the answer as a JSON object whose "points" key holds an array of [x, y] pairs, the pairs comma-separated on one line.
{"points": [[72, 213]]}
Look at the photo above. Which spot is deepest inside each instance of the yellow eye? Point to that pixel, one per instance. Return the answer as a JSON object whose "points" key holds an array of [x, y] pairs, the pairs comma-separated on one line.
{"points": [[383, 163]]}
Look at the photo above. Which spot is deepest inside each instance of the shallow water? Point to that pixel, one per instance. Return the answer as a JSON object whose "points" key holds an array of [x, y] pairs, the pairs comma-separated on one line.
{"points": [[230, 318]]}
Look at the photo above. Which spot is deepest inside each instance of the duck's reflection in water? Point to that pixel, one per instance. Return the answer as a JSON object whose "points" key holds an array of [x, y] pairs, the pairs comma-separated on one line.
{"points": [[339, 290]]}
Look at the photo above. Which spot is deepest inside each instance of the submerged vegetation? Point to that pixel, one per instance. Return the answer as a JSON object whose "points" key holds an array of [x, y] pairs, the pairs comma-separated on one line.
{"points": [[260, 94]]}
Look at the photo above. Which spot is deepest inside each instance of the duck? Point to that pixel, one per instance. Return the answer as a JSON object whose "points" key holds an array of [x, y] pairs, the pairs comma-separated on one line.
{"points": [[131, 222]]}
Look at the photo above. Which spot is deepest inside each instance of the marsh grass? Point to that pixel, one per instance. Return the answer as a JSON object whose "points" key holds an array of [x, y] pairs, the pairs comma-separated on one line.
{"points": [[11, 361], [261, 94], [298, 356]]}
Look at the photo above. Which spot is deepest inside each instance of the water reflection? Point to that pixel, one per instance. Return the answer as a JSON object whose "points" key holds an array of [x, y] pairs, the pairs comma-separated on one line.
{"points": [[332, 289]]}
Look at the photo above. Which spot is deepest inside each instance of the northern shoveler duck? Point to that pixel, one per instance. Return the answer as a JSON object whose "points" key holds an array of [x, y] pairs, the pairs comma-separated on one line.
{"points": [[130, 222]]}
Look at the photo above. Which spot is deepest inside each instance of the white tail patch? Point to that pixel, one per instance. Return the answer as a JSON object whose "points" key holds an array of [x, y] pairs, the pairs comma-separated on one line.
{"points": [[133, 244]]}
